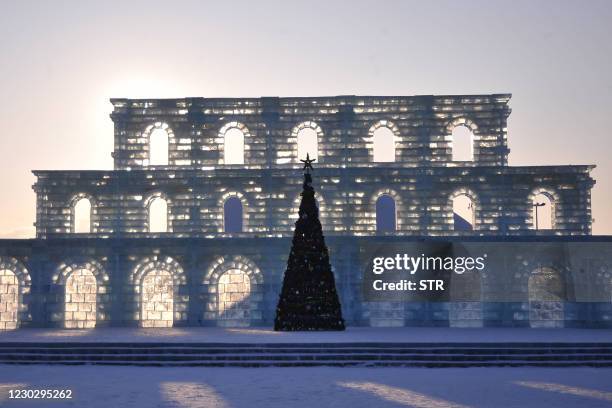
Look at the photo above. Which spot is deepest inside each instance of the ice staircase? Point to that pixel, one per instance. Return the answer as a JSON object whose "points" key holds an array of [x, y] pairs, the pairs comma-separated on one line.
{"points": [[311, 354]]}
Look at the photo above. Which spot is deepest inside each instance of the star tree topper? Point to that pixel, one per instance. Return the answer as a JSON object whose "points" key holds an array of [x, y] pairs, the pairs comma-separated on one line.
{"points": [[308, 163]]}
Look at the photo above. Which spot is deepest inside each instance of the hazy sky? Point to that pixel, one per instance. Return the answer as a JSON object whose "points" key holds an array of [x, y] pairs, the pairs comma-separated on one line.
{"points": [[60, 62]]}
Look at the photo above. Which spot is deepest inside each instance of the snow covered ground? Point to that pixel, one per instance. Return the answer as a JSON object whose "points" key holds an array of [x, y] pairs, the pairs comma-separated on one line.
{"points": [[110, 387], [352, 334], [114, 387]]}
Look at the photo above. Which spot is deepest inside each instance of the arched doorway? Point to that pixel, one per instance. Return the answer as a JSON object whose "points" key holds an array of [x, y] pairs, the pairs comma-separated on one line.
{"points": [[546, 298], [9, 300], [157, 299], [465, 300], [80, 300], [234, 292]]}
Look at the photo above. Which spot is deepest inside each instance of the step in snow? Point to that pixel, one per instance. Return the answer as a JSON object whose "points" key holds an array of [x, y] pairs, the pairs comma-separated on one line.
{"points": [[343, 363]]}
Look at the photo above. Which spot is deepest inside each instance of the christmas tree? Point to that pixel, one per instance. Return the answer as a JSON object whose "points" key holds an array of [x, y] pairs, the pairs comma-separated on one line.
{"points": [[308, 300]]}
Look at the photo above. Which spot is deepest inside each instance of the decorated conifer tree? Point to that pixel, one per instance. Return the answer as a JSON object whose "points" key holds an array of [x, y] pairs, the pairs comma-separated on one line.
{"points": [[308, 300]]}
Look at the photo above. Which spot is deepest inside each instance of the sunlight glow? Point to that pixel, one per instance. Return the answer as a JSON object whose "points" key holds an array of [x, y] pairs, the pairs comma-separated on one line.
{"points": [[258, 332], [155, 332], [307, 144], [463, 206], [6, 387], [158, 146], [65, 333], [158, 215], [566, 389], [82, 216], [463, 144], [234, 291], [80, 304], [545, 215], [384, 145], [234, 146], [400, 395], [192, 395], [157, 304]]}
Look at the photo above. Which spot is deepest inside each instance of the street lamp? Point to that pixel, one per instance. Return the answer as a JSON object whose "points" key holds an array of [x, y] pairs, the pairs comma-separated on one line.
{"points": [[536, 205]]}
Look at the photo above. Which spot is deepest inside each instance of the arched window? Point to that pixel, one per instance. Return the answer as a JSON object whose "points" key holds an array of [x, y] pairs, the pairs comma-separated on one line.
{"points": [[82, 216], [232, 215], [158, 215], [542, 212], [384, 145], [234, 290], [157, 305], [307, 143], [462, 143], [233, 146], [9, 299], [158, 147], [463, 213], [80, 310], [385, 214]]}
